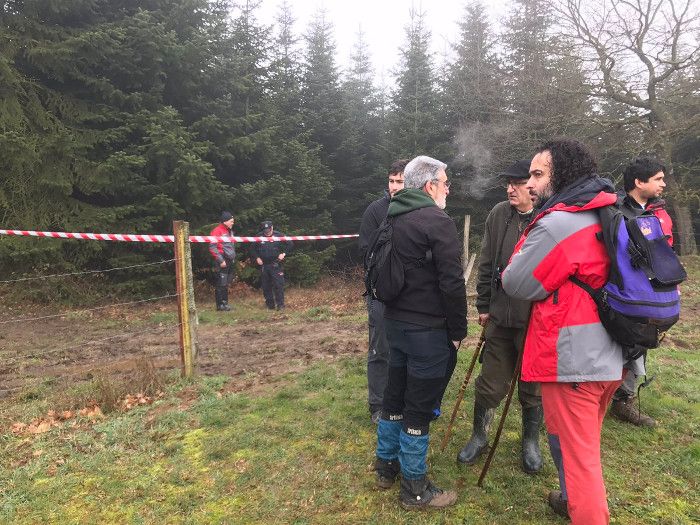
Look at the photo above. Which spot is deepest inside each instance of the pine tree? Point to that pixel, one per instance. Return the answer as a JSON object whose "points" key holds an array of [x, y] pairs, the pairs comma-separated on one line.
{"points": [[90, 140], [323, 111], [415, 127], [541, 76]]}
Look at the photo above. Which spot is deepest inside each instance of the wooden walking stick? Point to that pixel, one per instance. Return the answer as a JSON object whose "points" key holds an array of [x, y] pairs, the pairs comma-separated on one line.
{"points": [[492, 451], [513, 381], [463, 388]]}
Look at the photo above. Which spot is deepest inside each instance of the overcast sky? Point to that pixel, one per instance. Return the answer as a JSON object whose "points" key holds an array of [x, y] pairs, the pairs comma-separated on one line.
{"points": [[383, 23]]}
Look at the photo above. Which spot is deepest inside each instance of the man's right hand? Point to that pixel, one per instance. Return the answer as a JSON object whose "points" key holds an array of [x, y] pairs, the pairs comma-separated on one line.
{"points": [[259, 261], [483, 319]]}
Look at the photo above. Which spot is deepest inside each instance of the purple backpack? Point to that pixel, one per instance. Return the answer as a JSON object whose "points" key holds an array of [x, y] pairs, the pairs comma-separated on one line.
{"points": [[640, 300]]}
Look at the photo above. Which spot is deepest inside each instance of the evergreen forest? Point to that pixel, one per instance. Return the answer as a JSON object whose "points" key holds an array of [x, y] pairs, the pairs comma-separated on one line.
{"points": [[123, 115]]}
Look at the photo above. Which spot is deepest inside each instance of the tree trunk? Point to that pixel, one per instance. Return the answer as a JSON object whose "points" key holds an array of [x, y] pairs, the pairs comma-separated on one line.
{"points": [[686, 234]]}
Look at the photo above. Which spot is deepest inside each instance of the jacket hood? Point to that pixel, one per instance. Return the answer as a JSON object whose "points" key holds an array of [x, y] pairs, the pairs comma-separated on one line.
{"points": [[407, 200], [583, 194]]}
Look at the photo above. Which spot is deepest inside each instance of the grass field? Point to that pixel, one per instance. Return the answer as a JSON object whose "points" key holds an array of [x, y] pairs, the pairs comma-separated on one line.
{"points": [[298, 450]]}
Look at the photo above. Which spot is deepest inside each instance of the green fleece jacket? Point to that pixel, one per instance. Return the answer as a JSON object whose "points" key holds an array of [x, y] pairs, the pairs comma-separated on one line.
{"points": [[409, 199]]}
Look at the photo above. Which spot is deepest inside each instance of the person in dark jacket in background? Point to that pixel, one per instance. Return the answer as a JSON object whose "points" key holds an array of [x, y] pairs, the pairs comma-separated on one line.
{"points": [[425, 325], [378, 352], [224, 254], [505, 320], [644, 183], [269, 256]]}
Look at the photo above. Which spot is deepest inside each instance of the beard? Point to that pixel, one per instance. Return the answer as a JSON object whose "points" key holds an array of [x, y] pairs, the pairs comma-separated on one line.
{"points": [[543, 196], [442, 202]]}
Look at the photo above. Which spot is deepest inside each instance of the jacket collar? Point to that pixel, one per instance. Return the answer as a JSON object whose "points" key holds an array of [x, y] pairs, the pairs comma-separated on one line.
{"points": [[409, 199]]}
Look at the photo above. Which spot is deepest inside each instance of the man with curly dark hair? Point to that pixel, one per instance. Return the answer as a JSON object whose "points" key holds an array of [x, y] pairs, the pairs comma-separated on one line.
{"points": [[567, 349]]}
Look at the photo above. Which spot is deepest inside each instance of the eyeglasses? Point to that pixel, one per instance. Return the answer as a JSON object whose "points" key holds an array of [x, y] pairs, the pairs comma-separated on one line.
{"points": [[446, 182], [516, 183]]}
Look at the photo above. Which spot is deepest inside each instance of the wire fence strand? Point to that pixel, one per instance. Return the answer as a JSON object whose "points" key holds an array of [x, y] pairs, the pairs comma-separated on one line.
{"points": [[94, 342], [23, 279], [22, 319], [101, 366]]}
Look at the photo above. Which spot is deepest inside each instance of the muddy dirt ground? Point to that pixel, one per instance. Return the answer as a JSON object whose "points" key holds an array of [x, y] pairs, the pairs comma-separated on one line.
{"points": [[251, 344]]}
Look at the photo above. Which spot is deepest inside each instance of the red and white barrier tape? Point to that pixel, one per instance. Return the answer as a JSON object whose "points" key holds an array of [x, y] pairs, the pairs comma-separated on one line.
{"points": [[130, 237]]}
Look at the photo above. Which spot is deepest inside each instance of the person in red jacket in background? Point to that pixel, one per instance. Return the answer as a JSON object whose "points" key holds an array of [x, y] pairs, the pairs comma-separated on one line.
{"points": [[224, 254], [644, 183], [567, 349]]}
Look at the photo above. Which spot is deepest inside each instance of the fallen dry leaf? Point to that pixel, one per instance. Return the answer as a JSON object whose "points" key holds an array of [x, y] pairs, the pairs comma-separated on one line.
{"points": [[18, 428]]}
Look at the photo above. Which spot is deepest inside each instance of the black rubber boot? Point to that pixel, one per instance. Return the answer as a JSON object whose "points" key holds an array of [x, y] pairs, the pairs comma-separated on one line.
{"points": [[479, 441], [421, 494], [531, 454], [387, 472], [221, 300]]}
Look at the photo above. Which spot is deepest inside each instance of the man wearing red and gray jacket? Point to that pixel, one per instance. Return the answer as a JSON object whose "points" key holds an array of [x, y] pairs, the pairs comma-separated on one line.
{"points": [[567, 349], [224, 254]]}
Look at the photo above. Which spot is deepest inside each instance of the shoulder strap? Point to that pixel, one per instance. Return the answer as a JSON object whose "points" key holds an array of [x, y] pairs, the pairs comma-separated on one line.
{"points": [[578, 282]]}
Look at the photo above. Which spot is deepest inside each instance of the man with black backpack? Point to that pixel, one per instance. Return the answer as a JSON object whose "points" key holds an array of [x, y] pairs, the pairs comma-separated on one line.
{"points": [[378, 351], [425, 321], [644, 183], [567, 349]]}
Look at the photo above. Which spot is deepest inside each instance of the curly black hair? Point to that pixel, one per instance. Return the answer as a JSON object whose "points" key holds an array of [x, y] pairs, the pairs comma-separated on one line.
{"points": [[641, 168], [571, 160]]}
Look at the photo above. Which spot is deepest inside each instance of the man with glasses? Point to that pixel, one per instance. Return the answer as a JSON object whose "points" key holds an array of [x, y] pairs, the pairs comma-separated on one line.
{"points": [[505, 320], [378, 352], [424, 326]]}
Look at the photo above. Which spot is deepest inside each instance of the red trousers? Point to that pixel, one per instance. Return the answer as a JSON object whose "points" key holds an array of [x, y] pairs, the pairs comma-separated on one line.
{"points": [[573, 414]]}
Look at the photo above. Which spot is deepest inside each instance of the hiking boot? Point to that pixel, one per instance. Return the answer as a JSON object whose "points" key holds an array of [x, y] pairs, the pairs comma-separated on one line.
{"points": [[557, 504], [387, 471], [422, 494], [223, 307], [626, 410], [531, 454], [479, 441]]}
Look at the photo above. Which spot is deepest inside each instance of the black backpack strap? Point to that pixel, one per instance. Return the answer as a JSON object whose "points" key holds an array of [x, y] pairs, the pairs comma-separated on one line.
{"points": [[578, 282]]}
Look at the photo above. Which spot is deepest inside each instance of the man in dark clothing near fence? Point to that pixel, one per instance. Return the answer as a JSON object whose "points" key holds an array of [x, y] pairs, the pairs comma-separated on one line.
{"points": [[224, 254], [425, 325], [644, 183], [505, 320], [269, 256], [378, 352]]}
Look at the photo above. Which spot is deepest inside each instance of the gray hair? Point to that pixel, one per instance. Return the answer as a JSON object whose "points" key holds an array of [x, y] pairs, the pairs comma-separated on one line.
{"points": [[420, 170]]}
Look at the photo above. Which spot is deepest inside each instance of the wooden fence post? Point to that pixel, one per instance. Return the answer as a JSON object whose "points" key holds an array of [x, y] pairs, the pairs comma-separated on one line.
{"points": [[467, 261], [186, 309]]}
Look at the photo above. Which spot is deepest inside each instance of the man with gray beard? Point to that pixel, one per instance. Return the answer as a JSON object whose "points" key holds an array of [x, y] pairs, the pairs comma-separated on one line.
{"points": [[425, 325]]}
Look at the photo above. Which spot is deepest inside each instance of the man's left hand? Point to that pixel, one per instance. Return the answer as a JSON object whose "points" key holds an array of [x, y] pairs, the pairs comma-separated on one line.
{"points": [[280, 257], [457, 344]]}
